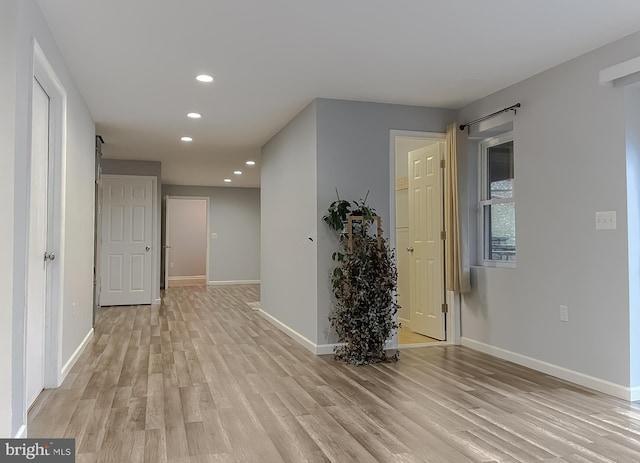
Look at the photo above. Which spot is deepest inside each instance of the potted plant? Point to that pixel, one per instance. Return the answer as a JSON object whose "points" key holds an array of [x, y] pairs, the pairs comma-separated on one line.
{"points": [[364, 284]]}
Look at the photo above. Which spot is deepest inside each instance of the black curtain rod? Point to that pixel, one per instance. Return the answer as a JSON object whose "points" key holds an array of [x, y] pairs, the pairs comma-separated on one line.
{"points": [[510, 108]]}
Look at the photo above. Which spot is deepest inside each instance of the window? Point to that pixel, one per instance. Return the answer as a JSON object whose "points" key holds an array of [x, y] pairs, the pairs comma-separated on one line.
{"points": [[497, 206]]}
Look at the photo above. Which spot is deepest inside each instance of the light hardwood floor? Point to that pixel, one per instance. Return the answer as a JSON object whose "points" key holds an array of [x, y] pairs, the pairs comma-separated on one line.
{"points": [[203, 378]]}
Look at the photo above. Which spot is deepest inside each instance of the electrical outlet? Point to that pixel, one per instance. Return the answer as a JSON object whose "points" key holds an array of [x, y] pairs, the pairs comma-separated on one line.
{"points": [[564, 313], [171, 265], [606, 220]]}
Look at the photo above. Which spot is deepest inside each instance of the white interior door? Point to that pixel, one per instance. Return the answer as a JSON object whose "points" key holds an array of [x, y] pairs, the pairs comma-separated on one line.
{"points": [[425, 226], [127, 219], [37, 263]]}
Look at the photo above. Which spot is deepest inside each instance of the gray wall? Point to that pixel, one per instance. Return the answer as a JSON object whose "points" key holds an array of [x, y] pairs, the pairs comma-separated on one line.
{"points": [[235, 217], [77, 261], [570, 162], [187, 235], [330, 144], [289, 219], [353, 156], [8, 22]]}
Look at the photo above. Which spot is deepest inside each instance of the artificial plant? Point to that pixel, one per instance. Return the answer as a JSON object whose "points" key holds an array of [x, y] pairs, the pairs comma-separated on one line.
{"points": [[364, 284]]}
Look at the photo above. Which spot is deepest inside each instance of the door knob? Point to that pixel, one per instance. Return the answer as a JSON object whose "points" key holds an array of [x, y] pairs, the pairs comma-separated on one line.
{"points": [[410, 249], [148, 248], [49, 256]]}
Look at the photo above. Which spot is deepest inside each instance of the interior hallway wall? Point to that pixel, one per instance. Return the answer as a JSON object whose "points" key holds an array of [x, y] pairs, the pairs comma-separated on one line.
{"points": [[76, 260], [234, 256], [570, 162], [8, 22], [353, 156]]}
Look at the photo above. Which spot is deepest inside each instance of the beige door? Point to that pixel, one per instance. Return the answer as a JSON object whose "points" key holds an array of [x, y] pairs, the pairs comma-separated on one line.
{"points": [[425, 241]]}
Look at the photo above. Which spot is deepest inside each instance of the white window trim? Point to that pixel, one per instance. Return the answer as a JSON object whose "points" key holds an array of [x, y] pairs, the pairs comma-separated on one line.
{"points": [[482, 181]]}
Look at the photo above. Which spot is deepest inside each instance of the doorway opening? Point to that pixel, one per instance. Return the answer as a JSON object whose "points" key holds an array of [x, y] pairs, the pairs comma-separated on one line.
{"points": [[187, 241], [417, 210]]}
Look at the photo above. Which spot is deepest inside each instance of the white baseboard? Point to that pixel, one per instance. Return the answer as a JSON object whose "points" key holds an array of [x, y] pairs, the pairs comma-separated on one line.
{"points": [[616, 390], [233, 282], [74, 358], [317, 349], [22, 432], [405, 323], [192, 277], [305, 342]]}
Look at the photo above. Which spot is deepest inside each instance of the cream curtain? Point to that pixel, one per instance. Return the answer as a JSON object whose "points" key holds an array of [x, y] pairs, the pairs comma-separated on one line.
{"points": [[457, 274]]}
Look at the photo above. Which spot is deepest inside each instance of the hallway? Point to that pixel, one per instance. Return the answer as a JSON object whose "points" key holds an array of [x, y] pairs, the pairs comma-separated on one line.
{"points": [[203, 378]]}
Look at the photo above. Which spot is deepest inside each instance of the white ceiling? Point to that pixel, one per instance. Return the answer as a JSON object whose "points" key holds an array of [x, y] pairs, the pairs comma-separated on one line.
{"points": [[135, 61]]}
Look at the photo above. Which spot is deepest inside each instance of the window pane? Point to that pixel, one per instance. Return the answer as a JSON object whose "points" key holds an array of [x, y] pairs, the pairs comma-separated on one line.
{"points": [[500, 231], [500, 171]]}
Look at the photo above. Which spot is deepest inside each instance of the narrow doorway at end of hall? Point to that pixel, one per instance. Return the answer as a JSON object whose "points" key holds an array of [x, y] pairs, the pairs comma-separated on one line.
{"points": [[186, 250]]}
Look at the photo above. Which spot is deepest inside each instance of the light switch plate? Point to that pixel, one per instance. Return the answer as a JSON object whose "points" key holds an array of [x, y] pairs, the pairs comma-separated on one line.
{"points": [[214, 236], [564, 313], [606, 220]]}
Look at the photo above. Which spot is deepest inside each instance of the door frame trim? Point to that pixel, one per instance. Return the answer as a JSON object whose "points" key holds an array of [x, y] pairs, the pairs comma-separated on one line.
{"points": [[42, 70], [453, 315], [46, 76], [208, 227], [155, 236]]}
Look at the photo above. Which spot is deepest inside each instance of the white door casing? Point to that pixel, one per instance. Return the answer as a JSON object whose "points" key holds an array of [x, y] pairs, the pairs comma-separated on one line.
{"points": [[167, 247], [425, 227], [37, 244], [127, 240]]}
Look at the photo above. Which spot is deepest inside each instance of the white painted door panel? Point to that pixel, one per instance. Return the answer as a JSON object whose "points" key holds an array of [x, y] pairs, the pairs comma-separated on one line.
{"points": [[37, 265], [126, 241], [425, 225]]}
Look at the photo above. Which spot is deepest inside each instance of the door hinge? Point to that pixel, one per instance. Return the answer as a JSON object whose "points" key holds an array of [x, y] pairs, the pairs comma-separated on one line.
{"points": [[445, 308], [443, 163], [443, 235]]}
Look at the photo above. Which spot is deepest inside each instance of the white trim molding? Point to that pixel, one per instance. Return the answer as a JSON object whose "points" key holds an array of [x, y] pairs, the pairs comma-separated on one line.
{"points": [[305, 342], [22, 432], [610, 75], [192, 277], [75, 356], [601, 385], [317, 349], [233, 282]]}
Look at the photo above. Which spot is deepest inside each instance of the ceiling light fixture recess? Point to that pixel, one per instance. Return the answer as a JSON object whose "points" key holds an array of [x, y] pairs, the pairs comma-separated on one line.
{"points": [[194, 115], [227, 180], [237, 172], [204, 78], [250, 163], [186, 138]]}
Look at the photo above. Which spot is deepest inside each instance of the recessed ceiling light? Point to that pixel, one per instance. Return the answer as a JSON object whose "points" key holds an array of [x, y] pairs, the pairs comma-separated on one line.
{"points": [[227, 180], [250, 163], [194, 115], [237, 172], [204, 78], [186, 138]]}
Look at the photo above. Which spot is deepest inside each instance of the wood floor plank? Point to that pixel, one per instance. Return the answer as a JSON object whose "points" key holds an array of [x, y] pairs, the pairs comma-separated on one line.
{"points": [[203, 378]]}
